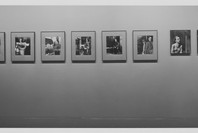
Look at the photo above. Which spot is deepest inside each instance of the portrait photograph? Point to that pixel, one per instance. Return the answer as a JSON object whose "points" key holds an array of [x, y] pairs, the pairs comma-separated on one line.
{"points": [[180, 43], [23, 46], [114, 45], [83, 46], [53, 46], [2, 46], [145, 45]]}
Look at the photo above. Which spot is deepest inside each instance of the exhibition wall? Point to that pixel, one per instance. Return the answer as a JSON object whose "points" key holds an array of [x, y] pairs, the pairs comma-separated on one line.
{"points": [[98, 94]]}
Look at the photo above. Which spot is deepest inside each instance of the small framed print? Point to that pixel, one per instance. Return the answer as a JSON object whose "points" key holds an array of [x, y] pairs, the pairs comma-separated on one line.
{"points": [[22, 46], [83, 46], [2, 46], [53, 46], [145, 45], [114, 45], [180, 43], [197, 41]]}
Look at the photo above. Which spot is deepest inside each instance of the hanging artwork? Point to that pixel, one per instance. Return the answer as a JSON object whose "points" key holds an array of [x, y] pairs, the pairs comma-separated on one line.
{"points": [[180, 42], [23, 45], [83, 46], [114, 45], [145, 45], [53, 46]]}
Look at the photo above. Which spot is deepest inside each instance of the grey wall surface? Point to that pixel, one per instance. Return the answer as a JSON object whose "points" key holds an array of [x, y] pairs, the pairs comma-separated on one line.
{"points": [[110, 92]]}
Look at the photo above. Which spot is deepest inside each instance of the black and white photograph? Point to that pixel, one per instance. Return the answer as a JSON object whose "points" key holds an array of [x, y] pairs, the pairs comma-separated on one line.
{"points": [[2, 46], [114, 45], [197, 41], [145, 45], [180, 43], [83, 46], [23, 45], [52, 46]]}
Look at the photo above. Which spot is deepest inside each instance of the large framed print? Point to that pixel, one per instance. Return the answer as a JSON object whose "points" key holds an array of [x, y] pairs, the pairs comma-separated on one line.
{"points": [[114, 45], [180, 43], [52, 46], [2, 46], [23, 46], [83, 46], [145, 45]]}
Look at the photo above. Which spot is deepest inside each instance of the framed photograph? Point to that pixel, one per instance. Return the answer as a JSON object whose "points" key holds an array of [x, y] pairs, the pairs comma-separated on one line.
{"points": [[145, 45], [22, 46], [83, 46], [197, 41], [2, 46], [52, 46], [114, 45], [180, 43]]}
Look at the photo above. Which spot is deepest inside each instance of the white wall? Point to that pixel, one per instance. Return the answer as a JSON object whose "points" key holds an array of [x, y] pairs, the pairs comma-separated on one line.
{"points": [[166, 89]]}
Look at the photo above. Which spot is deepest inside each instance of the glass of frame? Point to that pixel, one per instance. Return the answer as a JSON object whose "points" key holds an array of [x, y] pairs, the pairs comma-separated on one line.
{"points": [[23, 45], [2, 46], [114, 45], [52, 46], [83, 46], [145, 45], [180, 42]]}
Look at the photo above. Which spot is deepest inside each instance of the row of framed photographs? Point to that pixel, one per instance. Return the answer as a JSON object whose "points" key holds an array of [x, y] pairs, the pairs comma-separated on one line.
{"points": [[114, 45]]}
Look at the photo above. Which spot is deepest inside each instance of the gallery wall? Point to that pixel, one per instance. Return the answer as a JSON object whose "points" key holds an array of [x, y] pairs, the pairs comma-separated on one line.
{"points": [[91, 94]]}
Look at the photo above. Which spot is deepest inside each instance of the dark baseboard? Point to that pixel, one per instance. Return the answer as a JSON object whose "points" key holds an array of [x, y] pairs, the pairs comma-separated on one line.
{"points": [[66, 122]]}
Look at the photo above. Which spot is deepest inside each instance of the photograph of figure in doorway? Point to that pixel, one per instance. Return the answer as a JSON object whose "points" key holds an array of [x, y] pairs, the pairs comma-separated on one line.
{"points": [[180, 42], [22, 46], [83, 45], [145, 44], [113, 45], [53, 45]]}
